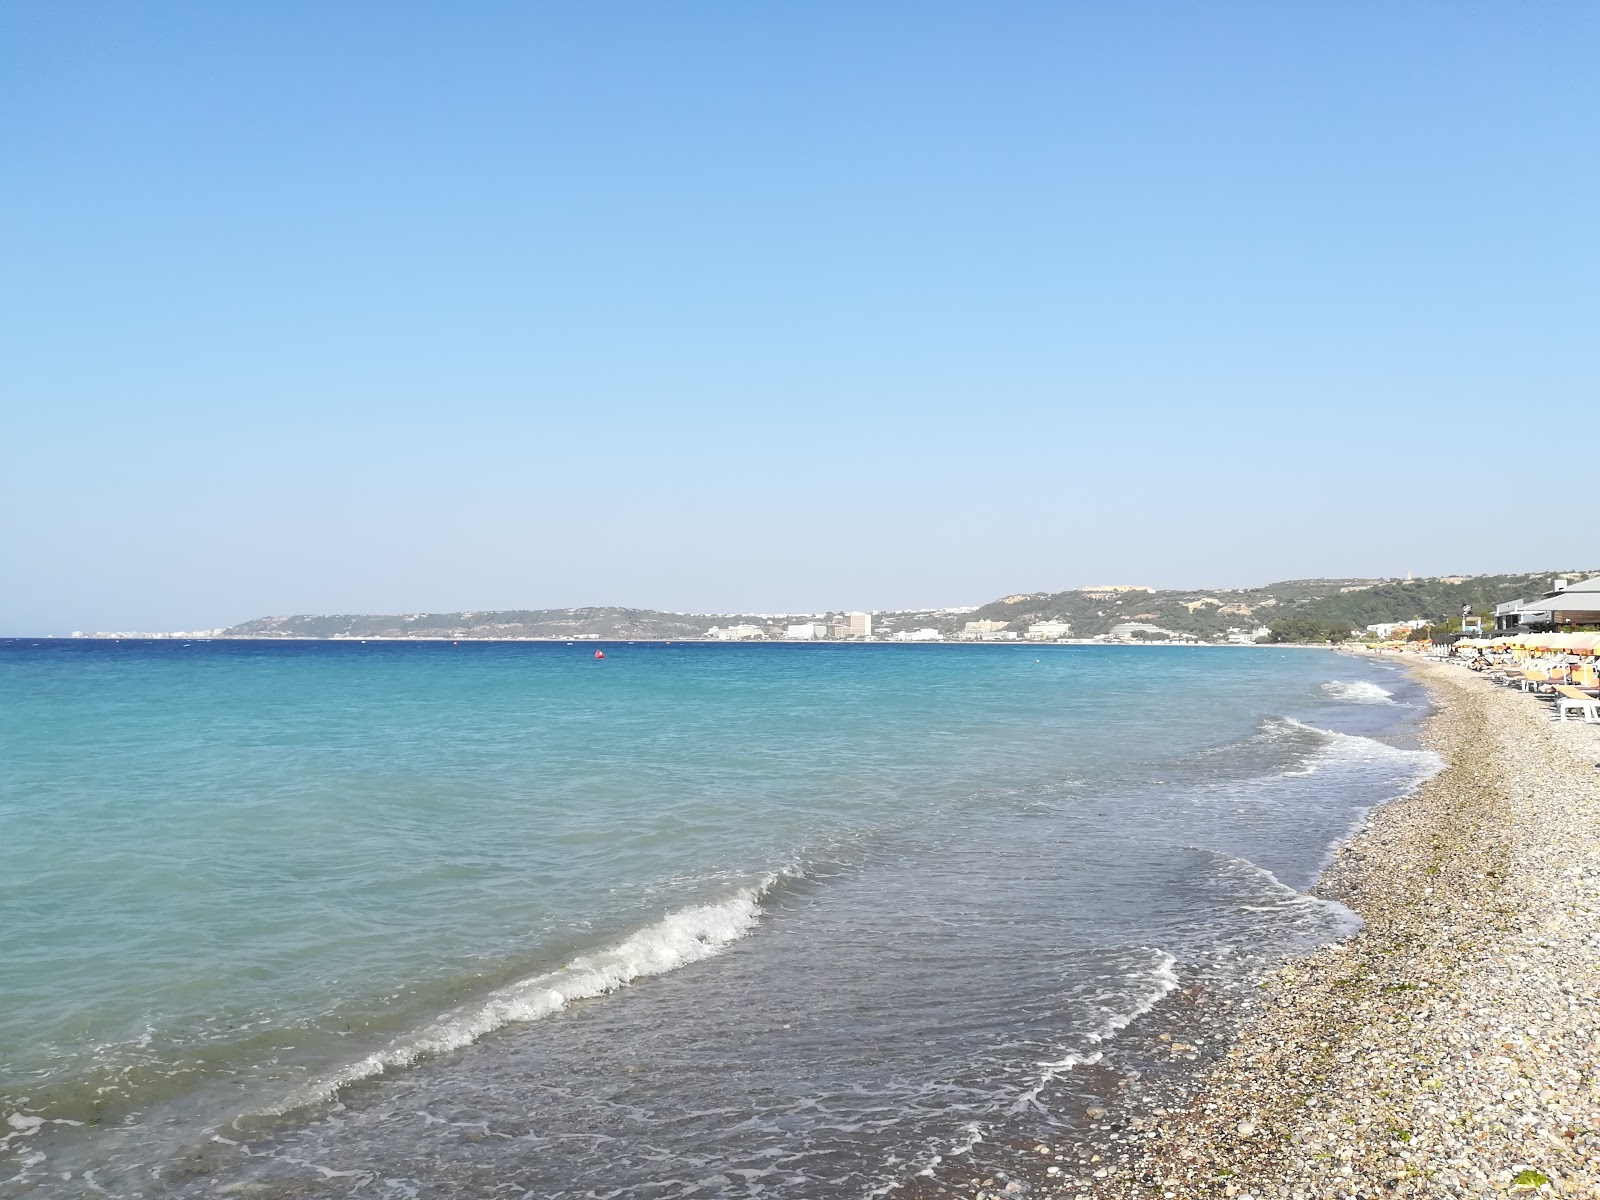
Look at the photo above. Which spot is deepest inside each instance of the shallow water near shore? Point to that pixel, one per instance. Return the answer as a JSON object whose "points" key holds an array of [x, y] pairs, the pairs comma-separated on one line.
{"points": [[411, 919]]}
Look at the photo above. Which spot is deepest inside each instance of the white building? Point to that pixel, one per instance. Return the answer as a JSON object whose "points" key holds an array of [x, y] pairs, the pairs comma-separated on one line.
{"points": [[987, 631], [810, 632], [1048, 631], [736, 633], [1388, 629], [918, 635], [1127, 629], [1246, 637], [859, 624]]}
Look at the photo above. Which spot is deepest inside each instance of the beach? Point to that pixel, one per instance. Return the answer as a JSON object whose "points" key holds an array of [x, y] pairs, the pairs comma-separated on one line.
{"points": [[1449, 1047]]}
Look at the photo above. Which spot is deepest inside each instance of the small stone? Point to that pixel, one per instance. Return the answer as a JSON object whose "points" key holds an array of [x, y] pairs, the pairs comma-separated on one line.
{"points": [[1246, 1128], [1094, 1112]]}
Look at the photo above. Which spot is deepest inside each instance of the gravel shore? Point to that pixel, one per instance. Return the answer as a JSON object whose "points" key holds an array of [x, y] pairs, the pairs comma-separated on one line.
{"points": [[1452, 1048]]}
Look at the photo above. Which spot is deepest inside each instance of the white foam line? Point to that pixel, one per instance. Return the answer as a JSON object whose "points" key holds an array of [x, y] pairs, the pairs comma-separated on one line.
{"points": [[1350, 747], [1360, 691], [1348, 920], [684, 936], [1163, 978]]}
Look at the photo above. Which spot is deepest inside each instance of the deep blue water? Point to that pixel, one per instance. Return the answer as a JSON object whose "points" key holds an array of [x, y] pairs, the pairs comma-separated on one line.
{"points": [[693, 920]]}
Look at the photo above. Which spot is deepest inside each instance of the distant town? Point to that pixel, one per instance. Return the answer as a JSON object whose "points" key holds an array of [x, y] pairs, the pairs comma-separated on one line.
{"points": [[1305, 610]]}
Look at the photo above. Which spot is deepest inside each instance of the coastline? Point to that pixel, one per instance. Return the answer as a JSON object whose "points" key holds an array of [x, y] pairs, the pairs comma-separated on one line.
{"points": [[1441, 1051], [1448, 1048], [595, 640]]}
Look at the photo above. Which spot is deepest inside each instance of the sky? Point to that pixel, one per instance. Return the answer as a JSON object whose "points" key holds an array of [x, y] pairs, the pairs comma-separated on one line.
{"points": [[724, 307]]}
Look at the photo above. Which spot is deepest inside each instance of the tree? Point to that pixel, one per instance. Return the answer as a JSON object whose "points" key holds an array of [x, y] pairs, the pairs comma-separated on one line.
{"points": [[1297, 629]]}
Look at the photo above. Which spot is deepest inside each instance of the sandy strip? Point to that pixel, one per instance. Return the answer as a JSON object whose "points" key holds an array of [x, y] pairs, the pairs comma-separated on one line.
{"points": [[1452, 1048]]}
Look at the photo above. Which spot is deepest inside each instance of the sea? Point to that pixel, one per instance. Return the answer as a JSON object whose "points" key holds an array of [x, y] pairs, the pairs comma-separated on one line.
{"points": [[423, 919]]}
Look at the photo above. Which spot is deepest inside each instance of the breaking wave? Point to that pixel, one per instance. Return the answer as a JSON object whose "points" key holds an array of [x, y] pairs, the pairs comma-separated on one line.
{"points": [[686, 935], [1359, 691], [1150, 989], [1258, 890], [1339, 749]]}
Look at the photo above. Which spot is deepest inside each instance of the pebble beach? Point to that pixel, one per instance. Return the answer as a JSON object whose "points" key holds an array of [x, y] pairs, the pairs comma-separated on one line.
{"points": [[1452, 1046]]}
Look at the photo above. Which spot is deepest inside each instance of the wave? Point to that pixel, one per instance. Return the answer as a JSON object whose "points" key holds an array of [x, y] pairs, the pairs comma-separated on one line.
{"points": [[1286, 748], [1120, 1007], [1149, 990], [1262, 891], [1334, 749], [1358, 691], [686, 935]]}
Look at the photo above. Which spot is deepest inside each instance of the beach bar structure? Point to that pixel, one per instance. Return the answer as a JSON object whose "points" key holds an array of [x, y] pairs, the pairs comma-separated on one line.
{"points": [[1562, 607]]}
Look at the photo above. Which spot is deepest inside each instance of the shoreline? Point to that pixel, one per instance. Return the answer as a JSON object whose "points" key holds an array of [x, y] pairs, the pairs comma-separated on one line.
{"points": [[1444, 1049], [586, 640], [1448, 1048]]}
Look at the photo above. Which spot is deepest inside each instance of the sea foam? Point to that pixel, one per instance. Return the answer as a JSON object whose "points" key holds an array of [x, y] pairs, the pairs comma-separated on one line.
{"points": [[685, 935], [1359, 691], [1148, 991], [1339, 749]]}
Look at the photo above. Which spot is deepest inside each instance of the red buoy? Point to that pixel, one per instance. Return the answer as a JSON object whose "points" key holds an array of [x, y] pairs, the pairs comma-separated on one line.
{"points": [[599, 653]]}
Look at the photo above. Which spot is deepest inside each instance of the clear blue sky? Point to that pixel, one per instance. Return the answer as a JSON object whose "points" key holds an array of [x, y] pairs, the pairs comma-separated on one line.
{"points": [[392, 307]]}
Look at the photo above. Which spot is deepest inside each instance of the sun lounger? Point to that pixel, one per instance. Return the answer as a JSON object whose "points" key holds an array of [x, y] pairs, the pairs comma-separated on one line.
{"points": [[1534, 681], [1570, 699]]}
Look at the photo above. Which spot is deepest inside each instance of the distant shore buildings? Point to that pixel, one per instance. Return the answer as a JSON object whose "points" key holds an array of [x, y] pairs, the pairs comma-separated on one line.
{"points": [[1048, 631], [1389, 630], [736, 633], [193, 635], [1120, 613], [987, 631], [1140, 631], [822, 627]]}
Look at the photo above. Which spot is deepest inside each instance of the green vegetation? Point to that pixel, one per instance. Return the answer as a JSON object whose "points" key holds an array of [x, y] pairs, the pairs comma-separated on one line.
{"points": [[1298, 629], [1530, 1178], [1307, 629]]}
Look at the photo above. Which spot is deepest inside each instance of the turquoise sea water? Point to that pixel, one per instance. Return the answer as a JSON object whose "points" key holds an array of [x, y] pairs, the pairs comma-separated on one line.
{"points": [[331, 902]]}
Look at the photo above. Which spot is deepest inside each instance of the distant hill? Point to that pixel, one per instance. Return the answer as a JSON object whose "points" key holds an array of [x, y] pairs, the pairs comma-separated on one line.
{"points": [[1207, 614], [611, 623]]}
